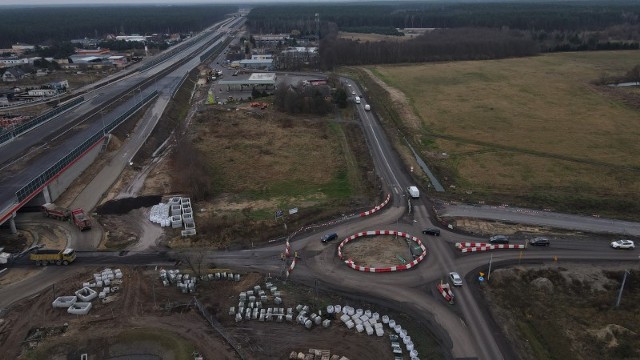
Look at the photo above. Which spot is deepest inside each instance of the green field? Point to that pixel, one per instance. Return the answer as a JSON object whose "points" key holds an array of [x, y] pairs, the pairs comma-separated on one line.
{"points": [[533, 131]]}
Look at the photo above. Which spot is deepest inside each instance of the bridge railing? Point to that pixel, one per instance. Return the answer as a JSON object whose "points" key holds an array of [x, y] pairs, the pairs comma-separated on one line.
{"points": [[35, 184], [22, 128]]}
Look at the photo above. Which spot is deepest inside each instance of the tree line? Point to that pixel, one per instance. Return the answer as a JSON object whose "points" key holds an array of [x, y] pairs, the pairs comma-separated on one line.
{"points": [[438, 45], [44, 25], [564, 16]]}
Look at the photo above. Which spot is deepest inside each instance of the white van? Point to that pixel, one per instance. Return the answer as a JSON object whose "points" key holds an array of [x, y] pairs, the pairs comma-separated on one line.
{"points": [[357, 100]]}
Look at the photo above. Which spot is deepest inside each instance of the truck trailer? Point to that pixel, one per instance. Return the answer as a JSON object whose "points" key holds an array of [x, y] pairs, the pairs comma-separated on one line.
{"points": [[55, 211], [79, 217], [43, 257], [81, 220]]}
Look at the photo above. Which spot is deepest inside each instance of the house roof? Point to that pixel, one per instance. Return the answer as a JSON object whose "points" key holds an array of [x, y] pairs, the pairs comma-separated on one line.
{"points": [[16, 72]]}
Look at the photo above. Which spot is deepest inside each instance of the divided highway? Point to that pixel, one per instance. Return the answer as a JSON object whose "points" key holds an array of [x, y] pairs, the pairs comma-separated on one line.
{"points": [[30, 154]]}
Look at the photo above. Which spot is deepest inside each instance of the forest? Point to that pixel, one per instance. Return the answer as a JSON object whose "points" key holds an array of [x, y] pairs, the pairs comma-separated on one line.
{"points": [[562, 16], [460, 31], [49, 25]]}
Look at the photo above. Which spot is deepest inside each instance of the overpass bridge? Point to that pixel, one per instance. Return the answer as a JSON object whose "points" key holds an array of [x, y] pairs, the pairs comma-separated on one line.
{"points": [[38, 165]]}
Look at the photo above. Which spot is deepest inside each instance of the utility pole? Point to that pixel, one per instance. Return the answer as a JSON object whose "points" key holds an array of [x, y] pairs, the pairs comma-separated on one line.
{"points": [[624, 279]]}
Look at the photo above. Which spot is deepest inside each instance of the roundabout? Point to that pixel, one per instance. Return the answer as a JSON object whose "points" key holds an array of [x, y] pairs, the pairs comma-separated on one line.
{"points": [[386, 267]]}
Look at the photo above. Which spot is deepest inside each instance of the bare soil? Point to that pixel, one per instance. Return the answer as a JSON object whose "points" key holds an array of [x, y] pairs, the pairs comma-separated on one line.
{"points": [[378, 251], [567, 311], [146, 318]]}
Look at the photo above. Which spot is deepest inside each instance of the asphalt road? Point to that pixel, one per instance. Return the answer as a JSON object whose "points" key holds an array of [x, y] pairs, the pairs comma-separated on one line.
{"points": [[592, 224], [27, 156]]}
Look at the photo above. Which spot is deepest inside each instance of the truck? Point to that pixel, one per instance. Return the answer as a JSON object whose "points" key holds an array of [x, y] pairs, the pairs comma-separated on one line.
{"points": [[56, 212], [43, 257], [81, 219], [413, 192]]}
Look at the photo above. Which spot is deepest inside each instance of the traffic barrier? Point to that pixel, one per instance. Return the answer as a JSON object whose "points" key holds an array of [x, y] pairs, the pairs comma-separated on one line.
{"points": [[477, 247], [350, 263], [377, 208], [287, 249], [293, 265]]}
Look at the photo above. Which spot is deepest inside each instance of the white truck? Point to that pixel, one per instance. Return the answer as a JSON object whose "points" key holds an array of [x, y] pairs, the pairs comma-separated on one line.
{"points": [[357, 99], [413, 192]]}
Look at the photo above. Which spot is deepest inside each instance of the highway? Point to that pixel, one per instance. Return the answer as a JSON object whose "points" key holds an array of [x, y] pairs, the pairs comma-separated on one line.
{"points": [[30, 154], [465, 329]]}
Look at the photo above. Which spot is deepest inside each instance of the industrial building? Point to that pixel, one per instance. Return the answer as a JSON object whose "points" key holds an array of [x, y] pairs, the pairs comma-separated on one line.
{"points": [[258, 81]]}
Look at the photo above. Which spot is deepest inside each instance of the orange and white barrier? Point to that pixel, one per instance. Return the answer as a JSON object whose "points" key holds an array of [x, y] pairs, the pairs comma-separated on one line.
{"points": [[408, 266], [477, 247], [377, 208]]}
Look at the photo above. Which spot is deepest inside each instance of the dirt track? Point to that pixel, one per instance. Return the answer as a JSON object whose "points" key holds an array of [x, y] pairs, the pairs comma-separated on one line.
{"points": [[132, 324]]}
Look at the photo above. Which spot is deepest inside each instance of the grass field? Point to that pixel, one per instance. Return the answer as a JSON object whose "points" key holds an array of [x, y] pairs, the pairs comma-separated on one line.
{"points": [[263, 161], [371, 37], [531, 129]]}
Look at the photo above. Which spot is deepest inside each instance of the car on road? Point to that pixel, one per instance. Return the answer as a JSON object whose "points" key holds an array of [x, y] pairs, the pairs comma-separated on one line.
{"points": [[328, 237], [540, 241], [623, 244], [431, 231], [455, 278], [353, 93], [499, 239], [367, 107]]}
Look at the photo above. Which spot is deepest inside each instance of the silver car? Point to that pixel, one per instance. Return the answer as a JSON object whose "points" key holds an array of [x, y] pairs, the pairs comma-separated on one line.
{"points": [[455, 279], [623, 244]]}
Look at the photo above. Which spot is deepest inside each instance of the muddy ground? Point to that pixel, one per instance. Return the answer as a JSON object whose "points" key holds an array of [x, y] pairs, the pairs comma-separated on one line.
{"points": [[378, 251], [144, 317]]}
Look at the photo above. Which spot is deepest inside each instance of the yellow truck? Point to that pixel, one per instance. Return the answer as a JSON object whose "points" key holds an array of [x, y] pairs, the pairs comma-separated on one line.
{"points": [[43, 257]]}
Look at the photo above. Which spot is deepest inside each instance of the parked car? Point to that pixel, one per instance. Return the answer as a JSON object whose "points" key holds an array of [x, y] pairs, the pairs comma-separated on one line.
{"points": [[540, 241], [623, 244], [499, 239], [328, 237], [431, 231], [455, 279]]}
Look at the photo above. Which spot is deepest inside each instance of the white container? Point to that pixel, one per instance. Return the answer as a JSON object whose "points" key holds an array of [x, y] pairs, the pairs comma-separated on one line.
{"points": [[367, 313], [397, 329], [375, 316], [410, 347], [369, 330], [413, 353], [238, 317], [337, 309], [359, 312], [317, 320], [392, 323], [385, 319], [64, 301], [344, 318], [349, 324], [359, 328], [308, 324], [326, 323]]}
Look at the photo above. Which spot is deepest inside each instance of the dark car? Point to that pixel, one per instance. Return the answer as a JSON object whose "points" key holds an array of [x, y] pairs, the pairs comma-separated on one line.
{"points": [[499, 239], [540, 241], [431, 231], [329, 237]]}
